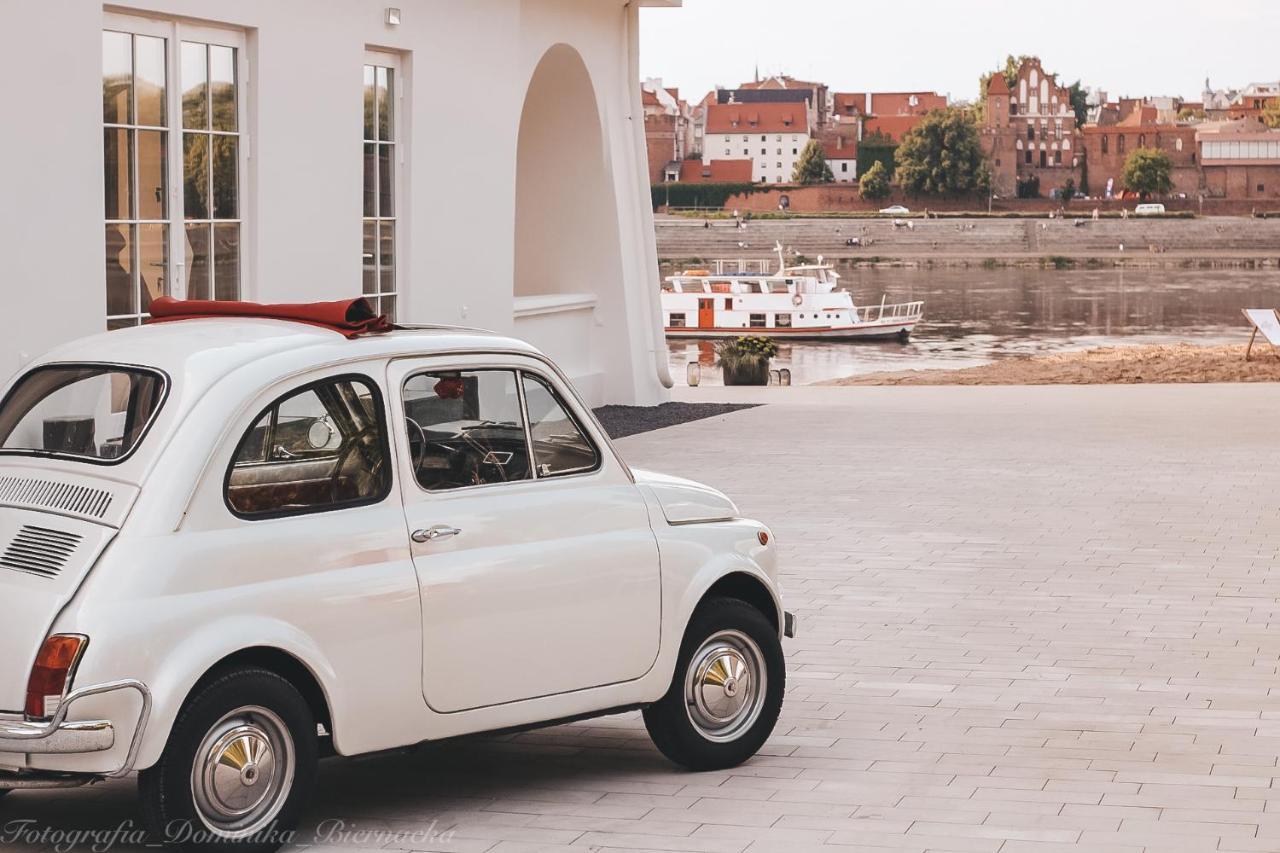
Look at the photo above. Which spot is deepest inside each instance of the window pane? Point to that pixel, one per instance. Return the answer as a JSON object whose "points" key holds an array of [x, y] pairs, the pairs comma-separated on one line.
{"points": [[98, 412], [225, 189], [222, 86], [369, 109], [195, 101], [465, 429], [317, 449], [117, 77], [149, 79], [386, 198], [195, 183], [197, 261], [385, 101], [119, 268], [152, 166], [153, 262], [117, 170], [387, 256], [370, 259], [226, 260], [559, 446], [370, 180], [388, 308]]}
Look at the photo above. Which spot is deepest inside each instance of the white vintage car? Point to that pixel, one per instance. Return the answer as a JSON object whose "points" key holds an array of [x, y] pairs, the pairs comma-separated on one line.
{"points": [[231, 545]]}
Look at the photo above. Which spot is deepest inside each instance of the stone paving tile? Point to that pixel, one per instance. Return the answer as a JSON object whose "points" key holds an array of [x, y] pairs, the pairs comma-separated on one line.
{"points": [[1033, 620]]}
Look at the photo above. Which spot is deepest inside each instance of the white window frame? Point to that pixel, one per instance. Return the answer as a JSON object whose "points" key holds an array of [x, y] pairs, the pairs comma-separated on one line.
{"points": [[399, 194], [175, 32]]}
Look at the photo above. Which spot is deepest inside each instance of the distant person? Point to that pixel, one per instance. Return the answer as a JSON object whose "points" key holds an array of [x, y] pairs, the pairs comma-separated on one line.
{"points": [[1095, 214]]}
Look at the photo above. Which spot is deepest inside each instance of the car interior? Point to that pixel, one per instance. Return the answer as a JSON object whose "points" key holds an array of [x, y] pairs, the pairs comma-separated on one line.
{"points": [[319, 447]]}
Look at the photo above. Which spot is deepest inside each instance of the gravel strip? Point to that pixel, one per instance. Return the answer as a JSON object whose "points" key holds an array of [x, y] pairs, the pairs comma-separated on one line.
{"points": [[622, 421]]}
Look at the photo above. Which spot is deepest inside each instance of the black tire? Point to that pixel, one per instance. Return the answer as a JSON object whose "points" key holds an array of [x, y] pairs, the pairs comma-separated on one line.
{"points": [[244, 703], [670, 720]]}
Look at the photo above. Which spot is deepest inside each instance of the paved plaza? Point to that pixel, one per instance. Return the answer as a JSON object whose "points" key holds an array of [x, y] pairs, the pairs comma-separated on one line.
{"points": [[1032, 620]]}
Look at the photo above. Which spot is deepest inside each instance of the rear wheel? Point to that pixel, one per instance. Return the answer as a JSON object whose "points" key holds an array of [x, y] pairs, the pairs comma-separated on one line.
{"points": [[727, 689], [238, 768]]}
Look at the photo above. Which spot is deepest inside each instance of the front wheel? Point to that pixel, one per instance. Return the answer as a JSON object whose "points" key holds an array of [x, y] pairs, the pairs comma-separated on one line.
{"points": [[238, 767], [727, 689]]}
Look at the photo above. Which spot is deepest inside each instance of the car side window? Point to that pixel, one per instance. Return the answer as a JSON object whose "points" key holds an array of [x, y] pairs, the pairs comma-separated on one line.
{"points": [[559, 444], [317, 448], [465, 428]]}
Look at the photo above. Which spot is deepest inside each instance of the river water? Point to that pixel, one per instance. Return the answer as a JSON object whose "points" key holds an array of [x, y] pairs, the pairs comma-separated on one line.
{"points": [[973, 316]]}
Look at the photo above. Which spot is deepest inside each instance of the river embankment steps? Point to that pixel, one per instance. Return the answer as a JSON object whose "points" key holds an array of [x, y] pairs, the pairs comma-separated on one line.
{"points": [[977, 238]]}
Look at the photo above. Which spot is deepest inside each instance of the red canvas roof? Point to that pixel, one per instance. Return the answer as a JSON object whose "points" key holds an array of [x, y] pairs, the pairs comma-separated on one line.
{"points": [[349, 317]]}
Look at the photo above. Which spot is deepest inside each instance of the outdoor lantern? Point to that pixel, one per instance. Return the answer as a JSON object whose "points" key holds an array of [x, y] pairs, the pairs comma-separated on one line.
{"points": [[784, 376], [693, 374]]}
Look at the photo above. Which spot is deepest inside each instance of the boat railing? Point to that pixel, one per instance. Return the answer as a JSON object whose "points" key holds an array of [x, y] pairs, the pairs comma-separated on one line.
{"points": [[743, 266], [889, 312]]}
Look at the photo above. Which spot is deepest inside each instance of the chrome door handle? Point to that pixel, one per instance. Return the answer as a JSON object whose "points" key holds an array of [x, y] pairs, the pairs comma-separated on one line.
{"points": [[431, 534]]}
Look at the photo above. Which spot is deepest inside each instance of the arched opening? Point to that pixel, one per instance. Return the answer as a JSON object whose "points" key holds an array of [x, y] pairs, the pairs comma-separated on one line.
{"points": [[568, 290]]}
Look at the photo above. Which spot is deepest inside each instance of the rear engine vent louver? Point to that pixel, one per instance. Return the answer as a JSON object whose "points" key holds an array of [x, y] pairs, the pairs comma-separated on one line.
{"points": [[50, 494], [39, 551]]}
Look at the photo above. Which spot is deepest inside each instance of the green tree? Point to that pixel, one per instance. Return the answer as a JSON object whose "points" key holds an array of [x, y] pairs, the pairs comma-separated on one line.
{"points": [[1068, 190], [1079, 102], [1084, 175], [812, 167], [874, 183], [1148, 171], [943, 154], [876, 146]]}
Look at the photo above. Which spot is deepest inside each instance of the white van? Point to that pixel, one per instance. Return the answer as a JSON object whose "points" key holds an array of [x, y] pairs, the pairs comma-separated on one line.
{"points": [[1149, 209]]}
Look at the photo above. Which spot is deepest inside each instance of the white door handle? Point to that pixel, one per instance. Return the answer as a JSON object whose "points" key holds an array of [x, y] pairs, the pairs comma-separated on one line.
{"points": [[431, 534]]}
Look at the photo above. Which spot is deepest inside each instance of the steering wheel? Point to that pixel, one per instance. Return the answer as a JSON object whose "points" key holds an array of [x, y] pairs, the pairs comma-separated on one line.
{"points": [[358, 443], [417, 442]]}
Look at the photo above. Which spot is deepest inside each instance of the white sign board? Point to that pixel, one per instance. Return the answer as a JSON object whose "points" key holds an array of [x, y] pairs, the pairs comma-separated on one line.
{"points": [[1265, 320]]}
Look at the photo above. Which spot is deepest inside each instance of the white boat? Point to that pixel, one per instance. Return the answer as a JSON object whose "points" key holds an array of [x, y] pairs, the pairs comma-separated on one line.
{"points": [[744, 297]]}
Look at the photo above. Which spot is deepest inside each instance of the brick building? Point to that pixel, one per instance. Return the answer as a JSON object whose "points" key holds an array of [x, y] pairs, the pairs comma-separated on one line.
{"points": [[1107, 145], [1239, 159], [670, 132], [1030, 131]]}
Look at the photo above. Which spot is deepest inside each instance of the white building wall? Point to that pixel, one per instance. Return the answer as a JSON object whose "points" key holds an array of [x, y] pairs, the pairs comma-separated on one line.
{"points": [[844, 171], [762, 149], [468, 68]]}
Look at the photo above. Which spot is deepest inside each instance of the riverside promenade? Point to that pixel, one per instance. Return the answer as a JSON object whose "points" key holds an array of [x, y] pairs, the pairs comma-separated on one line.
{"points": [[967, 240], [1032, 620]]}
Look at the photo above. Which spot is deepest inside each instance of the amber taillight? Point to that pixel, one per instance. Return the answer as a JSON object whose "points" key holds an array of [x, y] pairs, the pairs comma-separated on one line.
{"points": [[52, 671]]}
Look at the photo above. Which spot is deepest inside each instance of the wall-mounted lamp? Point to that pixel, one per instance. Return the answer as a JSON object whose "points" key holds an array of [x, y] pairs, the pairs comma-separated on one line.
{"points": [[393, 16]]}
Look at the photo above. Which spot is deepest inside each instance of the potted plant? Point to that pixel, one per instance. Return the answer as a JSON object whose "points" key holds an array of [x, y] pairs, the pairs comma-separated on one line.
{"points": [[745, 360]]}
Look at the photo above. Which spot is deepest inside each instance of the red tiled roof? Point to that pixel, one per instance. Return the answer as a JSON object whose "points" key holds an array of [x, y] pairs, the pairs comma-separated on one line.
{"points": [[649, 99], [998, 85], [759, 118], [892, 126], [848, 151], [716, 171]]}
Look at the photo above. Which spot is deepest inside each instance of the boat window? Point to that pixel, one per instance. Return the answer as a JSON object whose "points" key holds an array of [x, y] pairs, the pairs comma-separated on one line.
{"points": [[668, 287], [782, 321], [677, 321], [320, 447], [98, 413], [465, 428], [756, 321], [560, 445]]}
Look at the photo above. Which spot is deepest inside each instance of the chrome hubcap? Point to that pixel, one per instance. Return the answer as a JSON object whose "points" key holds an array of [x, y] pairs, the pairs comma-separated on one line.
{"points": [[243, 772], [725, 686]]}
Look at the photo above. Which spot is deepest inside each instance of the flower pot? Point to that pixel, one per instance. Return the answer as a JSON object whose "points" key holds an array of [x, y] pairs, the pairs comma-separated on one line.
{"points": [[748, 373]]}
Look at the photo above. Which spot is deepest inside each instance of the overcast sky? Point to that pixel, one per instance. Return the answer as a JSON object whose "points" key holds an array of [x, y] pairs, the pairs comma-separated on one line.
{"points": [[1126, 47]]}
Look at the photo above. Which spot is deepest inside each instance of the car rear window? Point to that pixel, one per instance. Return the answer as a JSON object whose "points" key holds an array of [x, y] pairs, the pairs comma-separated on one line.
{"points": [[94, 412]]}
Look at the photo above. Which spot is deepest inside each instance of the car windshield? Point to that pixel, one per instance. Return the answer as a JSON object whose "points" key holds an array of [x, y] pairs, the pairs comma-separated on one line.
{"points": [[96, 412]]}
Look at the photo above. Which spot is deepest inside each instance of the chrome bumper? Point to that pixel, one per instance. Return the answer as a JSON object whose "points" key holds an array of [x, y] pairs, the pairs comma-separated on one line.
{"points": [[59, 737], [788, 624]]}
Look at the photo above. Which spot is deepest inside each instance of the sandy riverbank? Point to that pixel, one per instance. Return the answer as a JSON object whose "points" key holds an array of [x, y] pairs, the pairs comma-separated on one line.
{"points": [[1107, 365]]}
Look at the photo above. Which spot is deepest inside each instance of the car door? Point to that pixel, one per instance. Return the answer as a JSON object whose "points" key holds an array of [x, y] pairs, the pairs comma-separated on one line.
{"points": [[536, 566]]}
